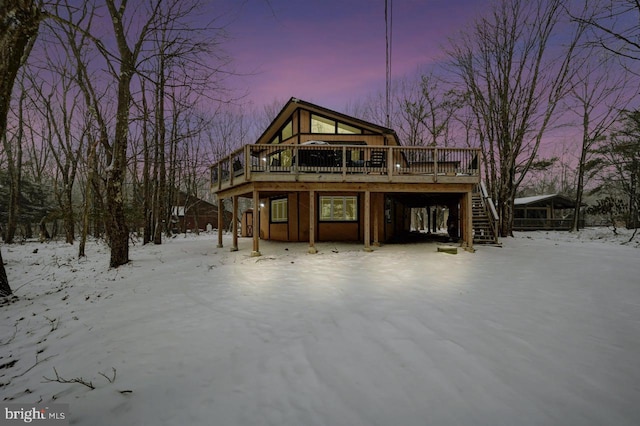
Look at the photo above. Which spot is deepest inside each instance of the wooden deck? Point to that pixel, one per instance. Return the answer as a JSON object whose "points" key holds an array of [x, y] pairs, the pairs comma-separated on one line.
{"points": [[340, 164]]}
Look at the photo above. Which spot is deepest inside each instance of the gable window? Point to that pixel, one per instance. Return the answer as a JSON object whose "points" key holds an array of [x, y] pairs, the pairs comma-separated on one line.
{"points": [[321, 124], [279, 210], [284, 133], [338, 209], [287, 130]]}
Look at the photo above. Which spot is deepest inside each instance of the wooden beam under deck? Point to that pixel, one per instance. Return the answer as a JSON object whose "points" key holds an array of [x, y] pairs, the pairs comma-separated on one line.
{"points": [[282, 187], [319, 178]]}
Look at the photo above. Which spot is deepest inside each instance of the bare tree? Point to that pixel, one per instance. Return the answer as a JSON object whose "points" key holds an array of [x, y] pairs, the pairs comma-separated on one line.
{"points": [[599, 93], [124, 69], [19, 23], [180, 80], [229, 130], [74, 34], [122, 63], [515, 81], [616, 27], [59, 104], [620, 158], [13, 153], [441, 104], [412, 112], [91, 187]]}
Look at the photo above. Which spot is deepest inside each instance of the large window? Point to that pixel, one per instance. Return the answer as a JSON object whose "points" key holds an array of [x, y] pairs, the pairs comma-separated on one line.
{"points": [[284, 133], [279, 210], [338, 209], [321, 124], [287, 130]]}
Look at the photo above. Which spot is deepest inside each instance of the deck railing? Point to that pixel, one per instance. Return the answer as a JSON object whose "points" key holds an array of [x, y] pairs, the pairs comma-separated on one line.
{"points": [[250, 160]]}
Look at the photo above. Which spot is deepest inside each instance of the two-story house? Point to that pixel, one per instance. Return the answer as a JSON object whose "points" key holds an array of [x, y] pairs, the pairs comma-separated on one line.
{"points": [[319, 175]]}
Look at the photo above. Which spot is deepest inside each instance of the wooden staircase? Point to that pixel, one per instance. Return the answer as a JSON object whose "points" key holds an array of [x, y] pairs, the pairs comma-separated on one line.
{"points": [[484, 221]]}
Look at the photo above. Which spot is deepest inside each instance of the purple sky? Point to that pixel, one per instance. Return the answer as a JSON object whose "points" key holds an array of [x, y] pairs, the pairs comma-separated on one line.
{"points": [[331, 52]]}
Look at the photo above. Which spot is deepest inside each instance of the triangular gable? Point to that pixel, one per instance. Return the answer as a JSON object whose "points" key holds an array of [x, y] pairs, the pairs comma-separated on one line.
{"points": [[294, 104]]}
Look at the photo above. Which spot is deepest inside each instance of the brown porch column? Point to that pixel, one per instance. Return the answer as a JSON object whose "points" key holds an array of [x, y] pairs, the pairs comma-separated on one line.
{"points": [[376, 220], [312, 222], [467, 221], [434, 221], [256, 224], [235, 224], [220, 220], [367, 221]]}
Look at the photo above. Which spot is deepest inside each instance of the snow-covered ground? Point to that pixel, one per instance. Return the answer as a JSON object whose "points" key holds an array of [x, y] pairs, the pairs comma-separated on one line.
{"points": [[543, 331]]}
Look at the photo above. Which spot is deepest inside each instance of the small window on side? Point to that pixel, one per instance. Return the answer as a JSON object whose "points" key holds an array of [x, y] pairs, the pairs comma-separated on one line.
{"points": [[279, 210]]}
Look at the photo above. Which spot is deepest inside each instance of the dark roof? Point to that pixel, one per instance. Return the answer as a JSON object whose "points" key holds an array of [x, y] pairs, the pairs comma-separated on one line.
{"points": [[183, 196], [295, 103]]}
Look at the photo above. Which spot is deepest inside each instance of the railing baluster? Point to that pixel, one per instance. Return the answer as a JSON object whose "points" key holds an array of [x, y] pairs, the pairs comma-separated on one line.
{"points": [[345, 159]]}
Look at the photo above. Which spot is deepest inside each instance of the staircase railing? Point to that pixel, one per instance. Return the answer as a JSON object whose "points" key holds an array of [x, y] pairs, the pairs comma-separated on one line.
{"points": [[491, 208]]}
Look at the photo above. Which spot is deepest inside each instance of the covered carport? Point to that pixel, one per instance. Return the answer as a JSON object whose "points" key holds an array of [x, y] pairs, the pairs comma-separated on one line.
{"points": [[428, 215]]}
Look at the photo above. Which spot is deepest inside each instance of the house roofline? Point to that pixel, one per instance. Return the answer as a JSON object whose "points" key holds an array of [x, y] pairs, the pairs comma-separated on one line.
{"points": [[538, 199], [294, 103]]}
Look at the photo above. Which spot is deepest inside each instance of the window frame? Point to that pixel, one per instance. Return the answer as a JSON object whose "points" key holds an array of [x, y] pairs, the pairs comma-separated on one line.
{"points": [[278, 136], [275, 207], [339, 127], [332, 200]]}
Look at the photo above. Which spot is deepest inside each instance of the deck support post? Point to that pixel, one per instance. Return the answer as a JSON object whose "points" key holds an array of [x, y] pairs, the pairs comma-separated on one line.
{"points": [[312, 222], [235, 224], [434, 219], [376, 220], [467, 221], [367, 221], [256, 224], [220, 221]]}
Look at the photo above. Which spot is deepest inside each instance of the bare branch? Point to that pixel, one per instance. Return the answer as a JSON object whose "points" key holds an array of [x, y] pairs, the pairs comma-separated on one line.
{"points": [[78, 380]]}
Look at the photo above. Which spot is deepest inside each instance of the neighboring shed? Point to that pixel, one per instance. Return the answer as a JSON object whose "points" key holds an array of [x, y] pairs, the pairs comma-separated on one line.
{"points": [[553, 211], [190, 213]]}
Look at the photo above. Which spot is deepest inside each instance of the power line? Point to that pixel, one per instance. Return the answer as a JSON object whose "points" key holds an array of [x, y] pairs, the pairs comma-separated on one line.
{"points": [[388, 21]]}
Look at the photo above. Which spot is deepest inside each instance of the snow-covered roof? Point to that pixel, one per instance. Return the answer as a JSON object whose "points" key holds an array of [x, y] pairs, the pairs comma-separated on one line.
{"points": [[559, 200]]}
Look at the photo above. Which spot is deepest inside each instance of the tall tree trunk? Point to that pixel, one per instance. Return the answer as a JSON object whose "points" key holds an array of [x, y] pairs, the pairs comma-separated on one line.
{"points": [[146, 170], [19, 22], [632, 221], [515, 82], [91, 152], [116, 222], [67, 214], [5, 289], [161, 186], [581, 169], [14, 164]]}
